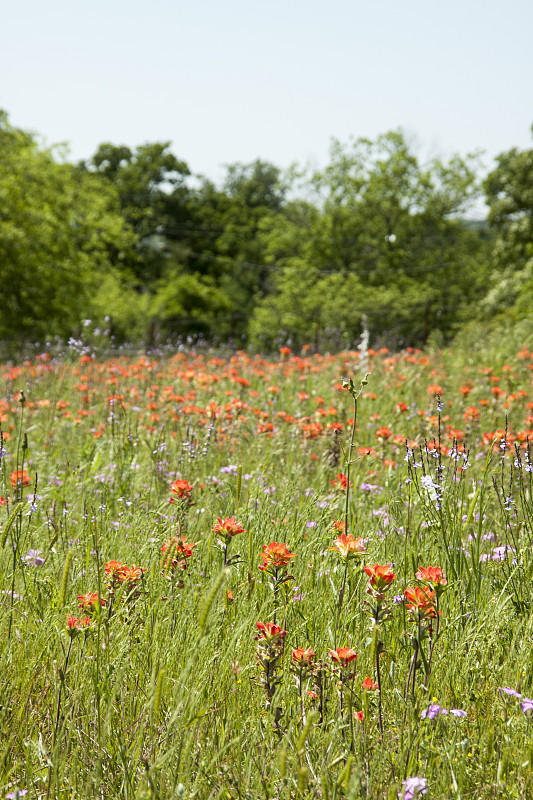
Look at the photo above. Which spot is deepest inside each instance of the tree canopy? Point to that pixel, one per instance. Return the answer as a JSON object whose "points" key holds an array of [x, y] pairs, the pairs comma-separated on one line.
{"points": [[266, 257]]}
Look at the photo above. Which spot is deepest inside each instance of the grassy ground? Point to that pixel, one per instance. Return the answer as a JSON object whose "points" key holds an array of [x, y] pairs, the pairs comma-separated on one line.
{"points": [[133, 664]]}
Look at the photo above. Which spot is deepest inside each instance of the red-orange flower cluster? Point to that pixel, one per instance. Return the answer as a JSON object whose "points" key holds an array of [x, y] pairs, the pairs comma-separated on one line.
{"points": [[432, 576], [348, 547], [74, 625], [121, 572], [19, 478], [380, 578], [177, 551], [89, 602], [182, 489], [303, 657], [420, 603], [270, 631], [228, 527], [275, 555], [340, 482], [343, 655]]}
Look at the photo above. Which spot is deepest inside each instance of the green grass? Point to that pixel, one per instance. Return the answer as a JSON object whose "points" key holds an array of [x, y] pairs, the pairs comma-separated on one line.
{"points": [[163, 695]]}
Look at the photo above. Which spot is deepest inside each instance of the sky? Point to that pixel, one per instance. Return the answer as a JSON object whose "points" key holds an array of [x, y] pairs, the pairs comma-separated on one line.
{"points": [[241, 79]]}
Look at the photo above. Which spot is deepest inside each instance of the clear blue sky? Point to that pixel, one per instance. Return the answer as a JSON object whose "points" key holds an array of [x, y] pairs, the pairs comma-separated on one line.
{"points": [[235, 80]]}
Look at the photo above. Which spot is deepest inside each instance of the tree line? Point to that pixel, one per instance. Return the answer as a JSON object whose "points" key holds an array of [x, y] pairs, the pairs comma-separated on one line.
{"points": [[134, 241]]}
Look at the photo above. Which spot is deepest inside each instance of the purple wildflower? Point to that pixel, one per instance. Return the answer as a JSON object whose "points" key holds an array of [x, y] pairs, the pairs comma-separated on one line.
{"points": [[433, 711], [527, 706], [33, 558], [506, 690], [412, 787]]}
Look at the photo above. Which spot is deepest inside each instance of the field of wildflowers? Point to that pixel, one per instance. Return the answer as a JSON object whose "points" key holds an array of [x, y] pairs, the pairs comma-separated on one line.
{"points": [[234, 577]]}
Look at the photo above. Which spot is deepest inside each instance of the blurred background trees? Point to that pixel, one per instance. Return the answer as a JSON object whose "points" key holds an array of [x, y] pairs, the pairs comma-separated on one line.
{"points": [[266, 258]]}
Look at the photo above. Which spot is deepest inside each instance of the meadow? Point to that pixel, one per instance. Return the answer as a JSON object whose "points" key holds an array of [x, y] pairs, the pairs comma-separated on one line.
{"points": [[229, 576]]}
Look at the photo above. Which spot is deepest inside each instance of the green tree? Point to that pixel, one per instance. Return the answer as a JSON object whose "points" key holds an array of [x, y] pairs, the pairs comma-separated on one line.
{"points": [[153, 194], [57, 227], [224, 238], [393, 230], [509, 194]]}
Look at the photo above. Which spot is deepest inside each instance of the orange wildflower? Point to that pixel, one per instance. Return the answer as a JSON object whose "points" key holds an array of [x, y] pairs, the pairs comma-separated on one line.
{"points": [[114, 569], [228, 527], [340, 482], [420, 603], [177, 551], [348, 547], [275, 555], [369, 685], [303, 657], [270, 631], [182, 489], [121, 572], [74, 625], [19, 478], [380, 576], [434, 576], [343, 655], [132, 574], [89, 602]]}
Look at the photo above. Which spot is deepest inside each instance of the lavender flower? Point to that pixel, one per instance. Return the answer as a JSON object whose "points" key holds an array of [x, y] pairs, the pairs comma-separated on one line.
{"points": [[370, 487], [412, 787], [527, 706], [33, 558], [506, 690], [458, 712], [433, 711]]}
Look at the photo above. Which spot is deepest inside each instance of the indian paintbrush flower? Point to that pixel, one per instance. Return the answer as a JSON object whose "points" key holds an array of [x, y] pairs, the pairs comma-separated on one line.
{"points": [[227, 528], [182, 490], [348, 547], [274, 556], [303, 657], [420, 604], [270, 631], [340, 482], [432, 576], [74, 625], [176, 551], [270, 642], [380, 579], [19, 478], [343, 655], [90, 602]]}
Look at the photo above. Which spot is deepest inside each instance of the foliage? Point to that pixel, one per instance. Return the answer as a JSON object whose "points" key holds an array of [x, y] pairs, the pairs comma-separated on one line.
{"points": [[384, 239], [376, 240], [56, 228], [509, 191]]}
